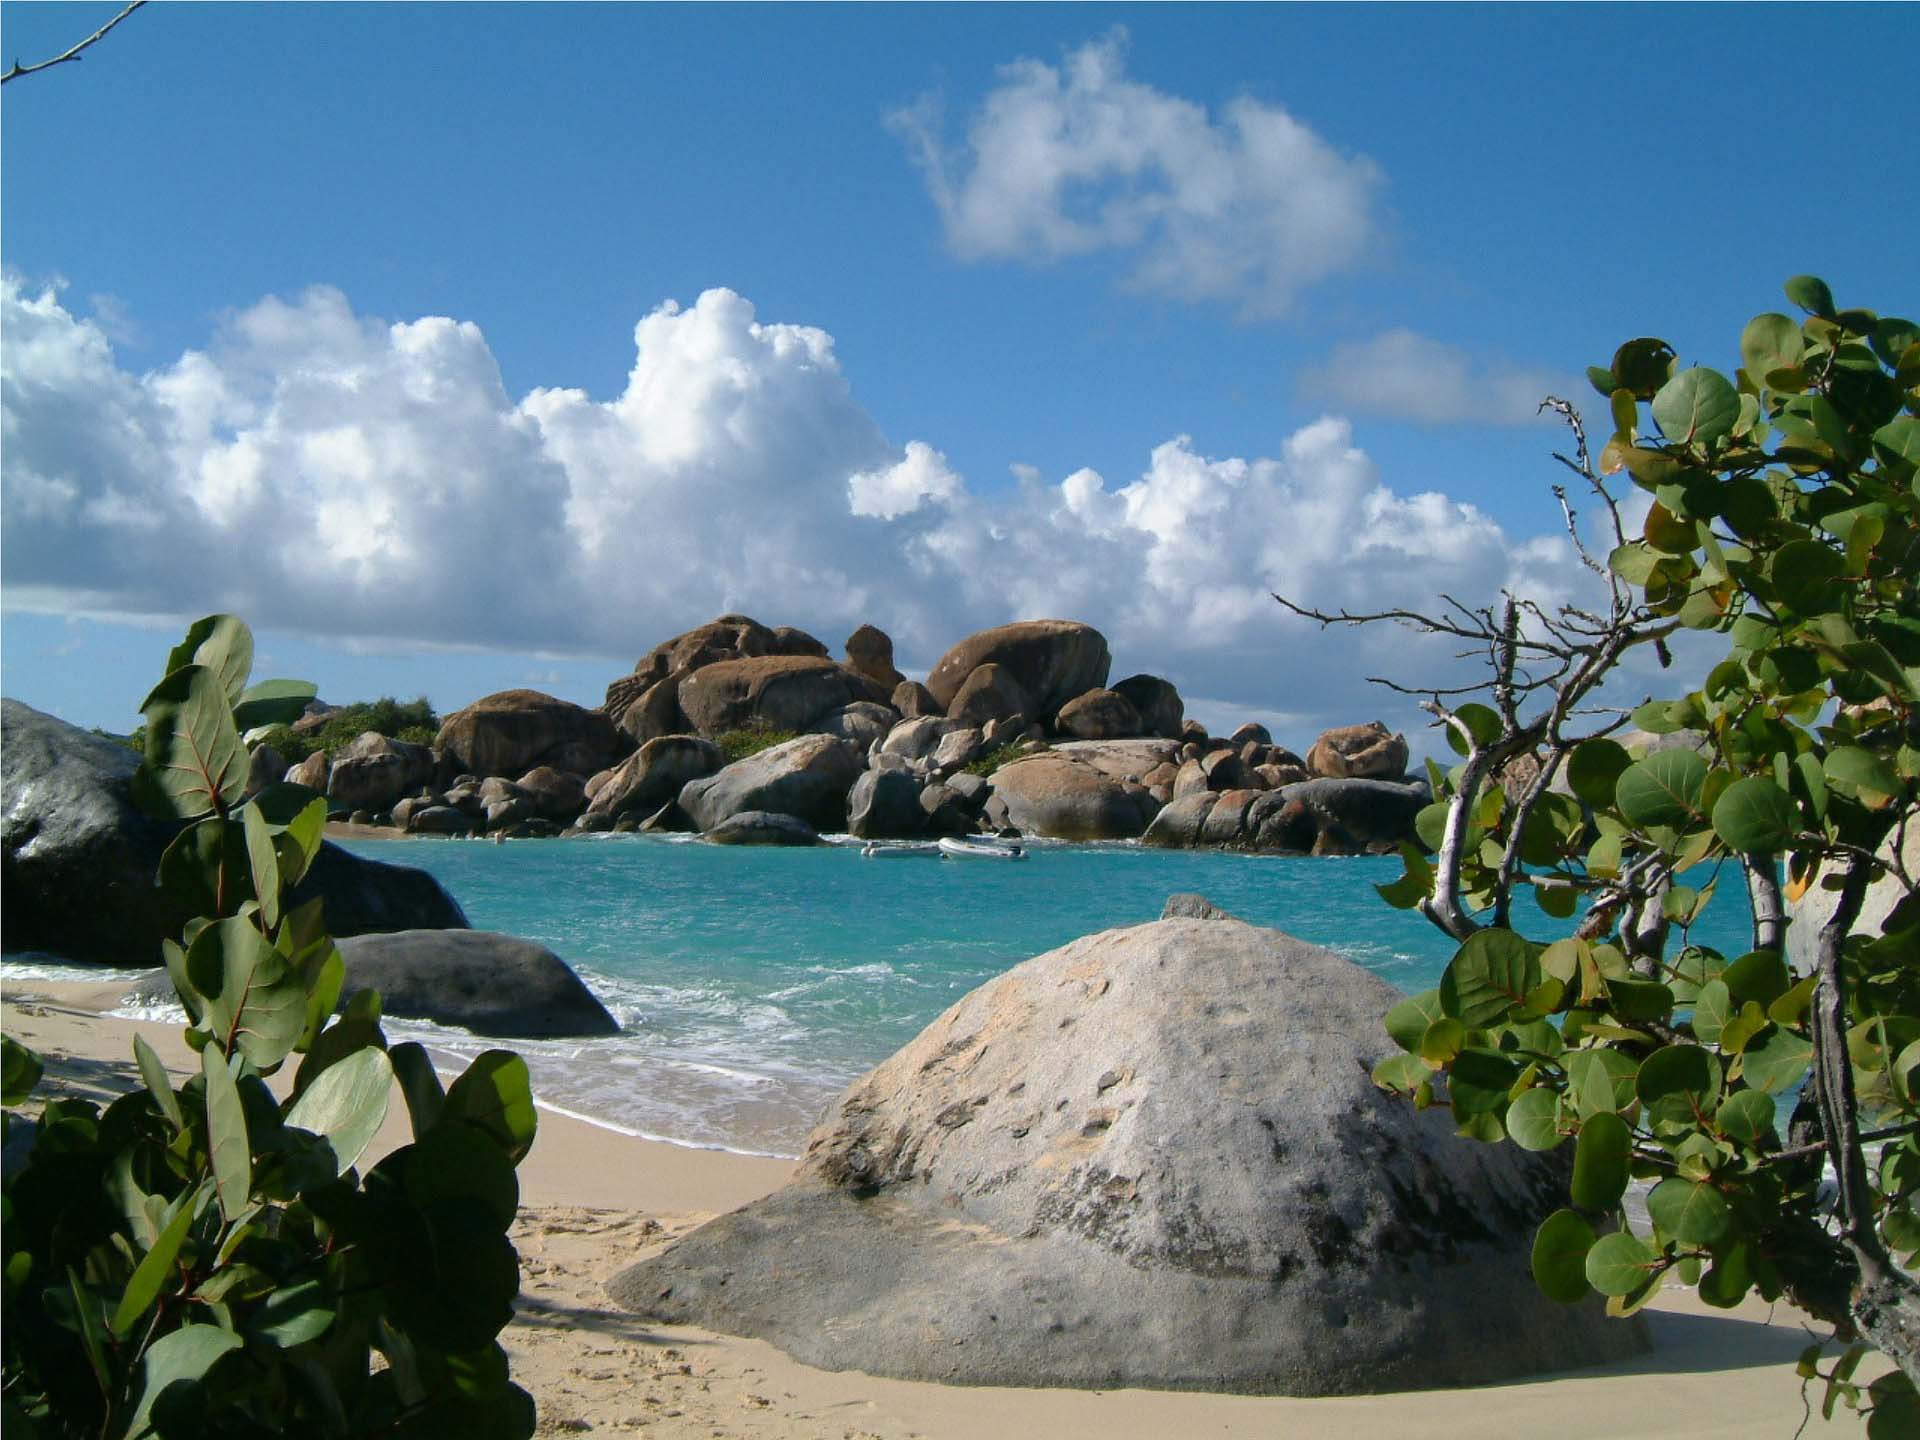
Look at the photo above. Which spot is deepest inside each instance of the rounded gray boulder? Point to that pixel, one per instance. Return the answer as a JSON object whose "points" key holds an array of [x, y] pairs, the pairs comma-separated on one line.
{"points": [[1153, 1157]]}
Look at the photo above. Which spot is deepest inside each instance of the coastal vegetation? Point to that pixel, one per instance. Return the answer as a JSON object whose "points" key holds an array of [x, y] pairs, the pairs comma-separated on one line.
{"points": [[207, 1259], [410, 720], [1782, 515]]}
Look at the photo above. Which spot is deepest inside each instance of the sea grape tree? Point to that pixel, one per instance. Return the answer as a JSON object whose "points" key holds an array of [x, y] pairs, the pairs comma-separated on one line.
{"points": [[1780, 519], [209, 1259]]}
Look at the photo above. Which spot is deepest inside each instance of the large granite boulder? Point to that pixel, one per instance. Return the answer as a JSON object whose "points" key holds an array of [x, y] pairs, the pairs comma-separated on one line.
{"points": [[655, 774], [807, 777], [991, 693], [863, 722], [885, 805], [1053, 794], [77, 859], [1099, 715], [514, 731], [491, 984], [775, 692], [1361, 752], [870, 653], [1161, 710], [376, 770], [1053, 661], [1153, 1157]]}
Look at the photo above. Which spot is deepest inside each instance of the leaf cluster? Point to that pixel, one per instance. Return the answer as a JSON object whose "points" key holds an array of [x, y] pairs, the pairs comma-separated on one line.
{"points": [[1783, 513], [210, 1259]]}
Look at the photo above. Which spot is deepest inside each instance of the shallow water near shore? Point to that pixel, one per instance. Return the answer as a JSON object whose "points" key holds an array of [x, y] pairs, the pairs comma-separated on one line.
{"points": [[752, 984]]}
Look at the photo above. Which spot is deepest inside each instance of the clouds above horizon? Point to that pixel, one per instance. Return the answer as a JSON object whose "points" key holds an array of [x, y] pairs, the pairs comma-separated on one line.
{"points": [[1078, 158], [1409, 376], [325, 472]]}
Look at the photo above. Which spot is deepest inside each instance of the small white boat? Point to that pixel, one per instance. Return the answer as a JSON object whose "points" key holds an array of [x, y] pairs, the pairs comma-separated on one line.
{"points": [[874, 851], [981, 849]]}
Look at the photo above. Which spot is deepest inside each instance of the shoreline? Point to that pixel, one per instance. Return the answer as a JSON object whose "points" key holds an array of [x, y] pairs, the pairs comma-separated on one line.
{"points": [[593, 1200]]}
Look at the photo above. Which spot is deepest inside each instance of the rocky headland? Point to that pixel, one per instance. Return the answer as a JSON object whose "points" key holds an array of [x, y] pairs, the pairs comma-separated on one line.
{"points": [[753, 734]]}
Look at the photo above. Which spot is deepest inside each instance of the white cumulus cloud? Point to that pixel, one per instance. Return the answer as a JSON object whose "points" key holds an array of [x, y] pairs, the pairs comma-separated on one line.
{"points": [[1247, 207], [369, 481], [1410, 376]]}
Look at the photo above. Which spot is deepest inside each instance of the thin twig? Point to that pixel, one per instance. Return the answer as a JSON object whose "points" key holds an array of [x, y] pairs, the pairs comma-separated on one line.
{"points": [[73, 54]]}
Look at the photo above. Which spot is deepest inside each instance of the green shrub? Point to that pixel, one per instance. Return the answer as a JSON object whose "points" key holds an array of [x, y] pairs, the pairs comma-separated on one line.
{"points": [[751, 740], [208, 1260], [411, 720]]}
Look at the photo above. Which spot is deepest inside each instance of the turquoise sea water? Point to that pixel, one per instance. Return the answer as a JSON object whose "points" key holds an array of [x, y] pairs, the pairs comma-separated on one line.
{"points": [[753, 984]]}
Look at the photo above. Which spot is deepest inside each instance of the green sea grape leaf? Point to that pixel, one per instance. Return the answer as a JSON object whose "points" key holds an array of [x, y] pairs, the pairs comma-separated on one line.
{"points": [[20, 1071], [1777, 1060], [1593, 769], [1533, 1120], [272, 702], [1600, 1165], [226, 1134], [495, 1093], [158, 1083], [182, 1356], [1407, 1021], [1621, 1264], [224, 645], [1664, 789], [346, 1103], [1691, 1211], [1748, 1116], [424, 1096], [1755, 816], [1679, 1085], [1559, 1257], [263, 864], [1697, 406], [1489, 976], [156, 1266], [194, 755], [255, 1002], [1600, 1081]]}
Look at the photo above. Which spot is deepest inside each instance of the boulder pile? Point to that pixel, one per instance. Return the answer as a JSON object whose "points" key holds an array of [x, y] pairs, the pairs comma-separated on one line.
{"points": [[1016, 729]]}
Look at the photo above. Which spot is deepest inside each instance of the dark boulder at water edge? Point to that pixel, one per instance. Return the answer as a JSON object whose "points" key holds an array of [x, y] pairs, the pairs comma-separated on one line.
{"points": [[495, 985], [77, 858], [1153, 1157]]}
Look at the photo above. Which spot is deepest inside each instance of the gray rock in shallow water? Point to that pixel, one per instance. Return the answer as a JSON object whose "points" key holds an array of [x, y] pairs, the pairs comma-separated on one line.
{"points": [[79, 858], [480, 980], [763, 827], [1185, 905], [1150, 1158], [492, 984]]}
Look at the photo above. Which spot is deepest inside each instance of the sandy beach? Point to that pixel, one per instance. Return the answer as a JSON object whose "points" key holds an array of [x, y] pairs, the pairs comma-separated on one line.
{"points": [[594, 1200]]}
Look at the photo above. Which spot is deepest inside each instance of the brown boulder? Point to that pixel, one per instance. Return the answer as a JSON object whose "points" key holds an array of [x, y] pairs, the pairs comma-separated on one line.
{"points": [[1162, 712], [654, 774], [1049, 794], [553, 794], [514, 731], [1099, 715], [990, 692], [791, 640], [1359, 752], [1054, 660], [311, 772], [870, 653], [912, 700], [778, 692]]}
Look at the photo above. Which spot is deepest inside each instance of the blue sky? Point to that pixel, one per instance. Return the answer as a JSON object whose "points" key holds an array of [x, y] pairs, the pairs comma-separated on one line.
{"points": [[328, 314]]}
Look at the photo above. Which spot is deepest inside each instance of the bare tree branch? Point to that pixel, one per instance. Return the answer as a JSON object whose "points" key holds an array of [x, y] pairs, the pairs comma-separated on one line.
{"points": [[74, 54]]}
